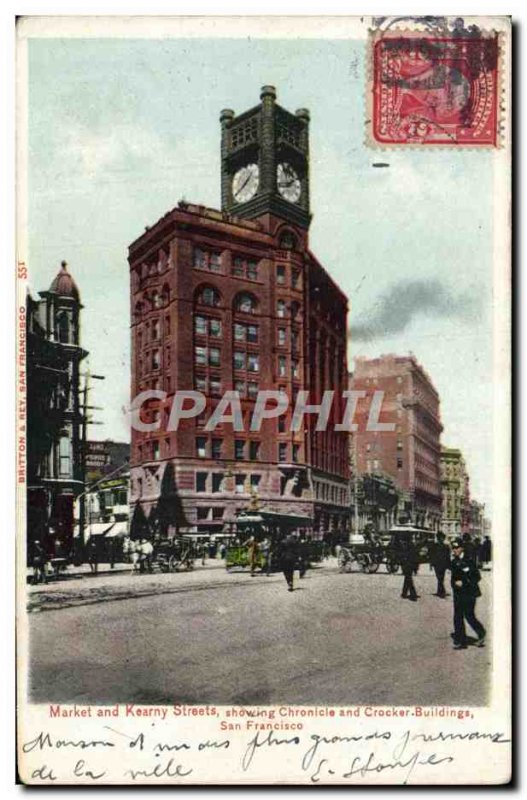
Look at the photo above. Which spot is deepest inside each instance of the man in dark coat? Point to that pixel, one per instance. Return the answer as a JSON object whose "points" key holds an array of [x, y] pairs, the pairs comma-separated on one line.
{"points": [[465, 580], [440, 561], [288, 559], [407, 557], [468, 548]]}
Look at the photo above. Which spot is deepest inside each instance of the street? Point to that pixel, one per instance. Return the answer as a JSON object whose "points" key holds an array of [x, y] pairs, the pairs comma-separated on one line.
{"points": [[226, 638]]}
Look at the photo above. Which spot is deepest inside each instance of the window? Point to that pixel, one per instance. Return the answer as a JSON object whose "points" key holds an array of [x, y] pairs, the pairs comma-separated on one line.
{"points": [[216, 448], [239, 332], [156, 330], [252, 389], [280, 275], [245, 303], [280, 308], [254, 451], [399, 463], [239, 359], [255, 481], [215, 387], [295, 369], [253, 362], [209, 296], [155, 450], [245, 268], [252, 270], [201, 481], [399, 444], [252, 334], [282, 366], [201, 447], [295, 278], [287, 241], [238, 269], [294, 341], [205, 259], [282, 336], [399, 379], [200, 356], [217, 482], [296, 452], [281, 424], [202, 512], [295, 309], [200, 325], [239, 386], [282, 451], [239, 449], [214, 357], [240, 484], [215, 328], [64, 455], [200, 383], [217, 513], [155, 359]]}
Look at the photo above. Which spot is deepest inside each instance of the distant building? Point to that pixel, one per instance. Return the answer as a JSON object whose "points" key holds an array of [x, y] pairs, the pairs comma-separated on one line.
{"points": [[54, 467], [477, 519], [410, 453], [456, 495]]}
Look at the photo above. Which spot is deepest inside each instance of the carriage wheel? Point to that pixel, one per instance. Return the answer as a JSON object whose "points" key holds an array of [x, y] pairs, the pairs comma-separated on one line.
{"points": [[371, 566], [190, 564], [392, 566], [173, 564]]}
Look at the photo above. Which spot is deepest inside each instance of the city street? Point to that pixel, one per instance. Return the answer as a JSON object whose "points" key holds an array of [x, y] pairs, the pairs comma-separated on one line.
{"points": [[226, 638]]}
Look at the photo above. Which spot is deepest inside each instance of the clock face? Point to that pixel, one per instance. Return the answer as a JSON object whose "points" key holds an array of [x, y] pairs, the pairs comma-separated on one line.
{"points": [[288, 182], [245, 183]]}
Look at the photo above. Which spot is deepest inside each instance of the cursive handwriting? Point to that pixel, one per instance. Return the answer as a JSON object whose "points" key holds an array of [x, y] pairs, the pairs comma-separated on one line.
{"points": [[44, 740], [269, 740], [168, 770], [332, 740]]}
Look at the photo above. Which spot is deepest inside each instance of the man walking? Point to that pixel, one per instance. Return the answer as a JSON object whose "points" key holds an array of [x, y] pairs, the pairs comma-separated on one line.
{"points": [[440, 561], [288, 559], [408, 559], [465, 580]]}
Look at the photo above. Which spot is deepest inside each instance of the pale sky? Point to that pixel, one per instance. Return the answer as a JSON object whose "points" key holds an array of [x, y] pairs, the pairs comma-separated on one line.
{"points": [[120, 130]]}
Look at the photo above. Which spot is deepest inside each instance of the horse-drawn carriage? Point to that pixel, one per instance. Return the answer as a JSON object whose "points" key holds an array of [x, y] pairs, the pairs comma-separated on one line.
{"points": [[368, 553], [174, 554]]}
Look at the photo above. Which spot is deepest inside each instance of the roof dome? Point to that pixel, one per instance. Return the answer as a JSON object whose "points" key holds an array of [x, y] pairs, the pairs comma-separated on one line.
{"points": [[63, 284]]}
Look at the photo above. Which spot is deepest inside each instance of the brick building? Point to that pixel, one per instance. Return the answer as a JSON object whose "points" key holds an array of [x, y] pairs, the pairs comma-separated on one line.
{"points": [[234, 300], [410, 453], [455, 484]]}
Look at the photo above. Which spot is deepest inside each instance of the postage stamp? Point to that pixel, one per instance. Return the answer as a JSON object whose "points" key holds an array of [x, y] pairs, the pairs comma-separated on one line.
{"points": [[435, 89]]}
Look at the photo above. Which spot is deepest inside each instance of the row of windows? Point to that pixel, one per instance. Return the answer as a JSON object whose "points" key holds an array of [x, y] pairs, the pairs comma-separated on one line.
{"points": [[244, 450], [242, 267], [330, 492], [245, 303], [215, 482], [376, 465]]}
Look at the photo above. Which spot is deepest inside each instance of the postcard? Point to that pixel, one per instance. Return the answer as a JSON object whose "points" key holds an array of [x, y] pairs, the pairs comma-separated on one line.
{"points": [[263, 401]]}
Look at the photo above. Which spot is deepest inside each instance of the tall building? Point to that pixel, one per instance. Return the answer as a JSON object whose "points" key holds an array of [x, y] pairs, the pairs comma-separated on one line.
{"points": [[410, 453], [456, 495], [54, 464], [234, 300]]}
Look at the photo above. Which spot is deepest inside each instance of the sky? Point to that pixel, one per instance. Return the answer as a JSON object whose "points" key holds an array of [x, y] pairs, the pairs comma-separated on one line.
{"points": [[120, 130]]}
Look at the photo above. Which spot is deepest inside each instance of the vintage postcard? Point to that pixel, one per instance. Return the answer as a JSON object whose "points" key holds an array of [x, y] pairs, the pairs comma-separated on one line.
{"points": [[263, 400]]}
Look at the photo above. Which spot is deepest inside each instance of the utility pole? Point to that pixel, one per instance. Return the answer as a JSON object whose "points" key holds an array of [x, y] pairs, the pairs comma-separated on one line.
{"points": [[84, 440]]}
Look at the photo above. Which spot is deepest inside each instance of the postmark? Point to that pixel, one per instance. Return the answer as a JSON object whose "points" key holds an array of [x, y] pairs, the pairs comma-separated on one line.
{"points": [[435, 89]]}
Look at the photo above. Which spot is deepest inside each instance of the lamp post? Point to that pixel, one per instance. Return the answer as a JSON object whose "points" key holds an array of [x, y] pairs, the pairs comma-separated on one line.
{"points": [[85, 423]]}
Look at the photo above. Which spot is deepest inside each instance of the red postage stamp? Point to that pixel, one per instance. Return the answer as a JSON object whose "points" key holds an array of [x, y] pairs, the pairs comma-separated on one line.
{"points": [[435, 90]]}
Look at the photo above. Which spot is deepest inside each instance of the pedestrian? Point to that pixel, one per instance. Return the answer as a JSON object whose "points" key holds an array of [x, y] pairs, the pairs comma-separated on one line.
{"points": [[468, 548], [39, 560], [93, 555], [265, 550], [288, 559], [486, 547], [440, 561], [407, 557], [252, 549], [465, 588]]}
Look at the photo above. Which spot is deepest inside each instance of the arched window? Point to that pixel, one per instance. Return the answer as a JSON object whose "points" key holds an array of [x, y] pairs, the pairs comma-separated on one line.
{"points": [[245, 303], [287, 240], [63, 328], [208, 296]]}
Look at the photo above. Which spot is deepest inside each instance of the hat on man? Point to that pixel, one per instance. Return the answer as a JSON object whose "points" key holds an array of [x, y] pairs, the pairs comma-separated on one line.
{"points": [[457, 543]]}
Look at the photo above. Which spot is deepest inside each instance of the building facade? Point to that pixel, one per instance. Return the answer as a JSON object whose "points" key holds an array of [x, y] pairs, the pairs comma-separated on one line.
{"points": [[409, 454], [54, 464], [233, 300], [456, 495]]}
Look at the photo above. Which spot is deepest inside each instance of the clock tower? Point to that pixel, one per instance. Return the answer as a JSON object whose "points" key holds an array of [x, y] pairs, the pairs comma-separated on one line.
{"points": [[265, 161]]}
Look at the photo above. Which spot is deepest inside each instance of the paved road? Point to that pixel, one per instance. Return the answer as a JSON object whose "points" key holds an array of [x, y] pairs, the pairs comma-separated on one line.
{"points": [[229, 639]]}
